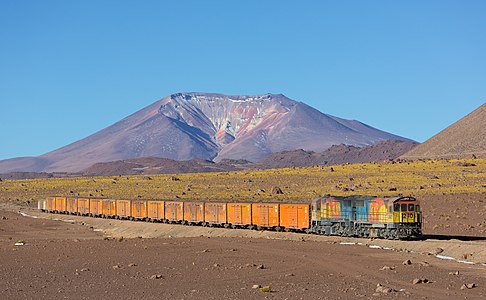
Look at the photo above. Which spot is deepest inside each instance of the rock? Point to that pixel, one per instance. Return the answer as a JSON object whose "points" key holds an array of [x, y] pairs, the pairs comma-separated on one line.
{"points": [[438, 251], [454, 273], [468, 286], [392, 189], [156, 276], [421, 280], [256, 286], [387, 268], [173, 178], [383, 289], [84, 269], [265, 289], [260, 267], [216, 265], [277, 190], [116, 267], [132, 265], [120, 238], [407, 262]]}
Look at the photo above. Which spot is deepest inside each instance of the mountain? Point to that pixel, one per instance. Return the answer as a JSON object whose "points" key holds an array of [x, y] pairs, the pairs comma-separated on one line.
{"points": [[205, 126], [465, 138]]}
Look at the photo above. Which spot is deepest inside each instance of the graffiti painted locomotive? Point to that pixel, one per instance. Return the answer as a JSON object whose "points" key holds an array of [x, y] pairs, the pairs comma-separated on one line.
{"points": [[391, 218]]}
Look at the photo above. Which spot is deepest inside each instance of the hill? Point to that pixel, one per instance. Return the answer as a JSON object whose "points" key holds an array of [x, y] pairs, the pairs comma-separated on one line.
{"points": [[465, 138], [338, 154]]}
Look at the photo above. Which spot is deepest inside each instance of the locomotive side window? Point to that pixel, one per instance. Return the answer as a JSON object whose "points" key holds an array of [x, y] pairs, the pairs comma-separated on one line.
{"points": [[396, 207], [403, 207], [411, 207]]}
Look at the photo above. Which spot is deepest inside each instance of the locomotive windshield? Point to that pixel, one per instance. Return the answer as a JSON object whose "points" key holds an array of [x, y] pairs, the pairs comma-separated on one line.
{"points": [[404, 207]]}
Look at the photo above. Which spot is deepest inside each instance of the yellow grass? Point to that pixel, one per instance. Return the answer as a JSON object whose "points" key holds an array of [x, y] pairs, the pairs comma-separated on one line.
{"points": [[298, 184]]}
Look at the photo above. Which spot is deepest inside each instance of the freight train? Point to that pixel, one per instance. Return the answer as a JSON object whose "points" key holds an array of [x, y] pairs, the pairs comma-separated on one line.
{"points": [[353, 216]]}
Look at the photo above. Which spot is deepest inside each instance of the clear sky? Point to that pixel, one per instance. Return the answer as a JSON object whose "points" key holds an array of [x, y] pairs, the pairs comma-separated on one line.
{"points": [[71, 68]]}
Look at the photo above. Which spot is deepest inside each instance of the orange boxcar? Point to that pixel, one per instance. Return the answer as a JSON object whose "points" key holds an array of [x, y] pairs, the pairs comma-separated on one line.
{"points": [[60, 204], [265, 215], [295, 216], [174, 211], [239, 214], [139, 209], [72, 205], [50, 204], [193, 212], [83, 206], [95, 207], [108, 208], [156, 210], [215, 213], [123, 208]]}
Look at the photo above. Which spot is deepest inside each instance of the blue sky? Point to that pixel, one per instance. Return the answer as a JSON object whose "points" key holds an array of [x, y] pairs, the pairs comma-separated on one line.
{"points": [[71, 68]]}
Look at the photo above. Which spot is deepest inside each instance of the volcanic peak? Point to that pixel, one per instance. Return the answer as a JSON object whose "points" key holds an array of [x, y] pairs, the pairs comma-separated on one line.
{"points": [[224, 117]]}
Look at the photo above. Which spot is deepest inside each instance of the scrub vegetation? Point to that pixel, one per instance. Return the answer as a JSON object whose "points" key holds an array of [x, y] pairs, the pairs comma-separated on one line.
{"points": [[391, 178]]}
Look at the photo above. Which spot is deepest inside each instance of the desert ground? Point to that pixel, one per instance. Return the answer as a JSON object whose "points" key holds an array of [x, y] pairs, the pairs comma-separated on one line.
{"points": [[48, 256], [51, 256]]}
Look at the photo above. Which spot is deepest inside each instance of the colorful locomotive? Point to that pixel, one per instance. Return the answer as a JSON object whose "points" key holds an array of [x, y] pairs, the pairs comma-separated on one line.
{"points": [[358, 216], [391, 218]]}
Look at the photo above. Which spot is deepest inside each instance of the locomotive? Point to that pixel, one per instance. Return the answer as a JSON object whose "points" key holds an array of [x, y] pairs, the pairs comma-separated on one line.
{"points": [[353, 216]]}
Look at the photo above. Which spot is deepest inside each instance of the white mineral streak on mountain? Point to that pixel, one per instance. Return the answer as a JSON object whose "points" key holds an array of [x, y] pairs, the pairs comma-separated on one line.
{"points": [[185, 126]]}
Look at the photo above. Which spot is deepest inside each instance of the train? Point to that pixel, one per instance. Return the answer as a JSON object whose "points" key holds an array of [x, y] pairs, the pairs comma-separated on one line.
{"points": [[351, 216]]}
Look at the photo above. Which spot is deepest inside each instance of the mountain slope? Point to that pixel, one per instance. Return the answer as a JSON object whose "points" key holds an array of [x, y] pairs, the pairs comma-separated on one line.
{"points": [[338, 154], [207, 126], [464, 138]]}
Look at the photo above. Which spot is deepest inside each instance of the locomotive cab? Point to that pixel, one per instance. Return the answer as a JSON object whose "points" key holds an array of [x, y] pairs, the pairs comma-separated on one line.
{"points": [[406, 210]]}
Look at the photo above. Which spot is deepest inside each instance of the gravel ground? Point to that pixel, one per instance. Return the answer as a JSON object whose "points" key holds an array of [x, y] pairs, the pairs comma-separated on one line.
{"points": [[75, 259]]}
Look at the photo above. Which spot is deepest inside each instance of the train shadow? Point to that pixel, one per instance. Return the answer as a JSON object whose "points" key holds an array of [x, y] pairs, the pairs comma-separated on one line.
{"points": [[444, 237]]}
